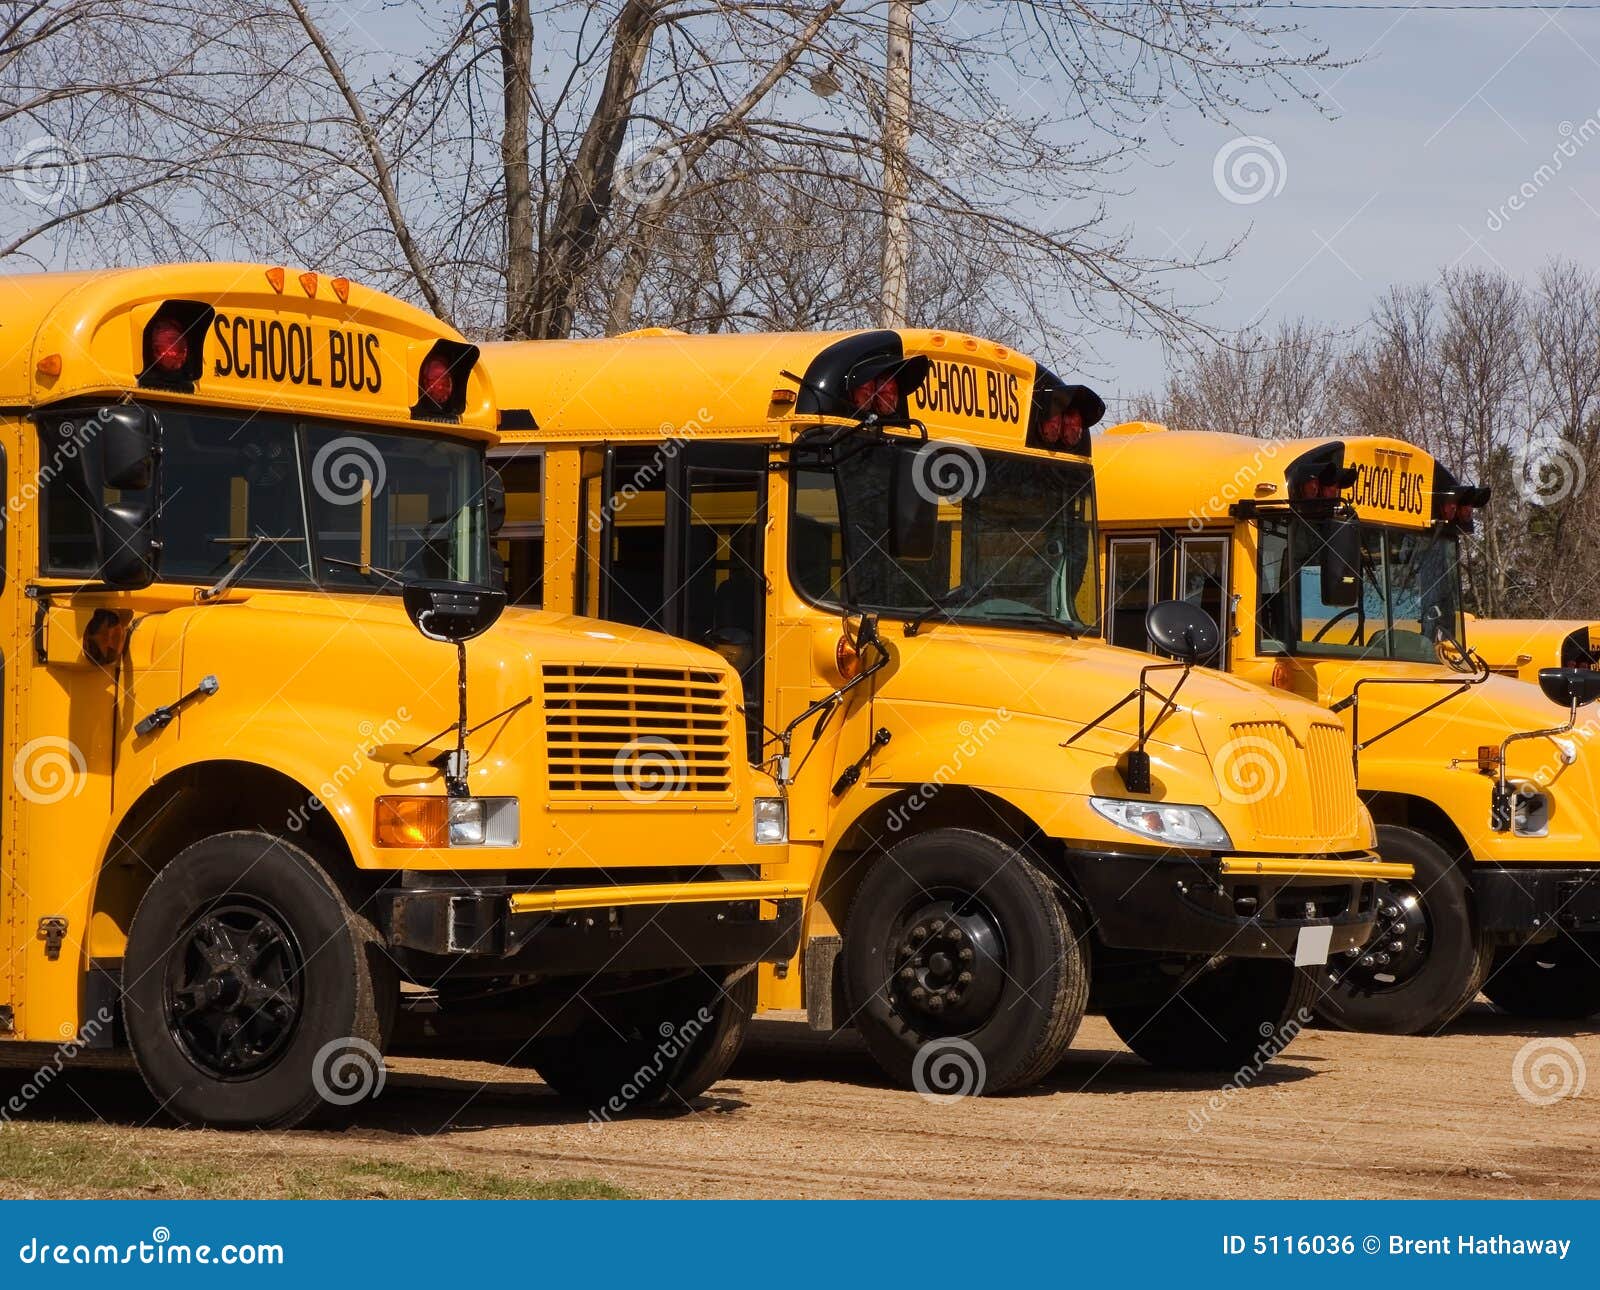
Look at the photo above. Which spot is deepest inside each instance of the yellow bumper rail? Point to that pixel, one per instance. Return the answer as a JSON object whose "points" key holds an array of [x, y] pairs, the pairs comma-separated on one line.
{"points": [[1316, 867], [659, 893]]}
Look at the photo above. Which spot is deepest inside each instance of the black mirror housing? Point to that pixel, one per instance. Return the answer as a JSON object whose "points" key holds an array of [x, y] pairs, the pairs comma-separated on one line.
{"points": [[913, 513], [1341, 560], [129, 441], [1570, 686], [453, 612], [494, 501], [1183, 630]]}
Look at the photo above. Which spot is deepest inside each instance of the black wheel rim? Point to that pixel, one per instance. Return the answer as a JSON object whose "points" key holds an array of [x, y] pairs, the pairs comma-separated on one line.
{"points": [[947, 962], [1398, 946], [233, 989]]}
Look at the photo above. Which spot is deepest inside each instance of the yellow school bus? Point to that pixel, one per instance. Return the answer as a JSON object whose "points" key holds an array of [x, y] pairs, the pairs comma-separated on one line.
{"points": [[1334, 564], [999, 819], [1523, 647], [259, 777]]}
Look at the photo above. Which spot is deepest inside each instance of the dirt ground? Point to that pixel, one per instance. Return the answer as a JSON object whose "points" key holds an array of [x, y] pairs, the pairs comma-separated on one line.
{"points": [[1337, 1115]]}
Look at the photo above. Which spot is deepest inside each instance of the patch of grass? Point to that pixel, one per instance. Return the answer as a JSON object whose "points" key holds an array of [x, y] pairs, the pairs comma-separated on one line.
{"points": [[54, 1160]]}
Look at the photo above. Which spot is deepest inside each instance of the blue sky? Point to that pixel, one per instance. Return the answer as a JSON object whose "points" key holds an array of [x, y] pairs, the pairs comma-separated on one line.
{"points": [[1445, 117]]}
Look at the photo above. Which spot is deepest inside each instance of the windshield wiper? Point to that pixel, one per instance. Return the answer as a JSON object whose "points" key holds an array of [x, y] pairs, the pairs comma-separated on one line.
{"points": [[257, 544], [1040, 618]]}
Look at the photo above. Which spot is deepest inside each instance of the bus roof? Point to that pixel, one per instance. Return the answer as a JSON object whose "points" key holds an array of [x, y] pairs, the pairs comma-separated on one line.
{"points": [[658, 384], [262, 337], [1147, 474]]}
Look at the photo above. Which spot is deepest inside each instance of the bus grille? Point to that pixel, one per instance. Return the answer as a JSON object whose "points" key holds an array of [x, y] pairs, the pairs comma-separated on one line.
{"points": [[1289, 787], [642, 734]]}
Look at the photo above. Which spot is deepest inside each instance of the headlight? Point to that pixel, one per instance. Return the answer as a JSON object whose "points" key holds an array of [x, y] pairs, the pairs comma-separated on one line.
{"points": [[447, 822], [1188, 826], [772, 821]]}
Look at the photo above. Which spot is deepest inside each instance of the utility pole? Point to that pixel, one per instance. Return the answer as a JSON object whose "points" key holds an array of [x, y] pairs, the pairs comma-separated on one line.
{"points": [[896, 168]]}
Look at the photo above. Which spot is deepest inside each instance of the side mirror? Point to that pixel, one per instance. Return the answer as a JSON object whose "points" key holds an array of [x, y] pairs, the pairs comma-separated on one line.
{"points": [[123, 458], [1571, 687], [1341, 560], [494, 501], [913, 513], [453, 612], [1183, 630], [129, 440]]}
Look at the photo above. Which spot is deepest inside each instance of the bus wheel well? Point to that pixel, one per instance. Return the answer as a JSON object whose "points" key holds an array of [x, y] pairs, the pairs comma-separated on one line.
{"points": [[207, 798], [919, 810], [1419, 813]]}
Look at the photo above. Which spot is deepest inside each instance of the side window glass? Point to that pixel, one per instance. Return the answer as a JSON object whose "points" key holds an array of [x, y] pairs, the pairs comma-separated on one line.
{"points": [[1203, 578], [1131, 580], [637, 560], [68, 529]]}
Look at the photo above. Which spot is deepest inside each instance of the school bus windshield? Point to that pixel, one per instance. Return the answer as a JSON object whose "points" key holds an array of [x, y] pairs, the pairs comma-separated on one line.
{"points": [[1410, 593], [1015, 544], [306, 503]]}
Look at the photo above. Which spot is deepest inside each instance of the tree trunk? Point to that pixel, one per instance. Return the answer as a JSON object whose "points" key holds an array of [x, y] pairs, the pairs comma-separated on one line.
{"points": [[516, 57]]}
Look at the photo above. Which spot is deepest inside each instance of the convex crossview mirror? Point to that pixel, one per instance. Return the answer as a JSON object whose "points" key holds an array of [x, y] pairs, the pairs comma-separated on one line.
{"points": [[1183, 630], [454, 612], [120, 456], [1571, 687], [1340, 536]]}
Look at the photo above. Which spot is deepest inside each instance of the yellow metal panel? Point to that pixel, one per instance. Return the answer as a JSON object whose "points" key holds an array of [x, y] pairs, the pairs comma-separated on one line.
{"points": [[1308, 867]]}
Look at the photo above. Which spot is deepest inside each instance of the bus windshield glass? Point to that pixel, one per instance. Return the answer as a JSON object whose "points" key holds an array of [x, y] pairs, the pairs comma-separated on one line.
{"points": [[310, 504], [1410, 602], [1015, 541]]}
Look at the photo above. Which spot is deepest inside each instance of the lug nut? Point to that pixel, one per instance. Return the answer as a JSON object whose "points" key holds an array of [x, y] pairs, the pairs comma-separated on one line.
{"points": [[965, 956], [908, 974], [1382, 960], [1397, 946], [1399, 929], [918, 935], [964, 979], [918, 994], [935, 1003], [950, 996], [955, 934], [938, 926]]}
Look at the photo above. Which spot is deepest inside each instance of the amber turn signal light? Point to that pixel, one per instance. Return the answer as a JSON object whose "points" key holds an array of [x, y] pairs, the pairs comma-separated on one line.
{"points": [[847, 658], [1488, 758], [412, 822]]}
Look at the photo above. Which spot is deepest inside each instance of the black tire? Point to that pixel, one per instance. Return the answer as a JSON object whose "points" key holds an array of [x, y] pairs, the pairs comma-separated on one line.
{"points": [[248, 987], [1443, 957], [1241, 1012], [1013, 1021], [1556, 980], [659, 1046]]}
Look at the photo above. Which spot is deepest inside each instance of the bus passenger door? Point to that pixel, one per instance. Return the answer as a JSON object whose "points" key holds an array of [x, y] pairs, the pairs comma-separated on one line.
{"points": [[1146, 568]]}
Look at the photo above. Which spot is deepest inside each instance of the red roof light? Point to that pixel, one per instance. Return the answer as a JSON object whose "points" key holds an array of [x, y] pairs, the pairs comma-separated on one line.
{"points": [[436, 383], [169, 345], [877, 395]]}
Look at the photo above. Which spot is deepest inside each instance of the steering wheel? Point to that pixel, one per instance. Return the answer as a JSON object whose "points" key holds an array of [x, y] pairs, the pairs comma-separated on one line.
{"points": [[1334, 621]]}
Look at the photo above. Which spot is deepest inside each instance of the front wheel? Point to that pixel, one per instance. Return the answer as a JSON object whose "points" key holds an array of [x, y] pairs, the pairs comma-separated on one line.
{"points": [[662, 1045], [1242, 1011], [252, 994], [1426, 957], [1555, 980], [964, 971]]}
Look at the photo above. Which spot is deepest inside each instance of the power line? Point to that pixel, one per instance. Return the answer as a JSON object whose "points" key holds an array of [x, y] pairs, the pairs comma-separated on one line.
{"points": [[1552, 6]]}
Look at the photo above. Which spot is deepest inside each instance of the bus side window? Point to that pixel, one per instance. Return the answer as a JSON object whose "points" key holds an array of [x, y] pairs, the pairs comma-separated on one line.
{"points": [[636, 564], [1275, 609], [1203, 579], [1132, 582]]}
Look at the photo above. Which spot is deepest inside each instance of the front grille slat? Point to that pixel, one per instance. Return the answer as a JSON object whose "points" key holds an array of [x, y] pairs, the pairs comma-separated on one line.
{"points": [[1290, 786], [640, 734]]}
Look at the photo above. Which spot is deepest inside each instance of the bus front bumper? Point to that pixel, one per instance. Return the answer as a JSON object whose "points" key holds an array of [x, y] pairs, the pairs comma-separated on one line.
{"points": [[569, 930], [1238, 906], [1515, 898]]}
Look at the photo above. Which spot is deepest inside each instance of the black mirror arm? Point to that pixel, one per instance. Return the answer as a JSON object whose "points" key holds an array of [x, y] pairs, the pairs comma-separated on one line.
{"points": [[824, 706], [1481, 673]]}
